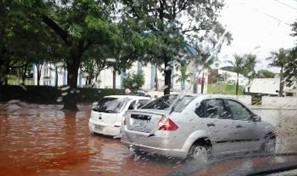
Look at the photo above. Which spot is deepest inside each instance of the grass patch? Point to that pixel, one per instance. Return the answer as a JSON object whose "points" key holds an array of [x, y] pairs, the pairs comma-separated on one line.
{"points": [[224, 89]]}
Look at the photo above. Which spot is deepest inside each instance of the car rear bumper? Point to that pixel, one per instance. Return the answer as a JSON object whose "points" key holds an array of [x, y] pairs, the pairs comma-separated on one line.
{"points": [[157, 145], [103, 128]]}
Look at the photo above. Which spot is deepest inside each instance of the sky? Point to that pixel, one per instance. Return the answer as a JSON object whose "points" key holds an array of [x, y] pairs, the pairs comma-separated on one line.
{"points": [[258, 27]]}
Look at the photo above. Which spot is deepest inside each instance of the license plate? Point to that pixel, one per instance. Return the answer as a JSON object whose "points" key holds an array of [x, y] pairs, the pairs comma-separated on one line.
{"points": [[99, 127], [139, 123]]}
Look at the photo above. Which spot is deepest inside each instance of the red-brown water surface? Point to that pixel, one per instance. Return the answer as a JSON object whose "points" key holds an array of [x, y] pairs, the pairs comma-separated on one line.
{"points": [[44, 140]]}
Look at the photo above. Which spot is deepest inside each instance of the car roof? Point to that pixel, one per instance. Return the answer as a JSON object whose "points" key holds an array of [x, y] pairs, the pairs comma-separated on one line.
{"points": [[208, 96], [134, 97]]}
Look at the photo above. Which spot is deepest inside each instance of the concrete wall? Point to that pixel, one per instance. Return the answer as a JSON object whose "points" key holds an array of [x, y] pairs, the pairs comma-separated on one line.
{"points": [[280, 102], [274, 115]]}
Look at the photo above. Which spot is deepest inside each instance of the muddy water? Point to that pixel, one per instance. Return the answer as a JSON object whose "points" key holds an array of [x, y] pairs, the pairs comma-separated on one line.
{"points": [[43, 140]]}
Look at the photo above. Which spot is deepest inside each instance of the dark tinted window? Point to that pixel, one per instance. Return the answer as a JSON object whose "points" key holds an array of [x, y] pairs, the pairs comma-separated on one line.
{"points": [[200, 110], [110, 105], [132, 105], [161, 103]]}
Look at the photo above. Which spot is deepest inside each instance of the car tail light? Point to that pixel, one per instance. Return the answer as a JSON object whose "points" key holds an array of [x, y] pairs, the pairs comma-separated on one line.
{"points": [[166, 124]]}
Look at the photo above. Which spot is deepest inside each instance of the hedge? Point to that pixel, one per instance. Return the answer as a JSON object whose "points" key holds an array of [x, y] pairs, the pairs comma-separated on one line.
{"points": [[52, 95]]}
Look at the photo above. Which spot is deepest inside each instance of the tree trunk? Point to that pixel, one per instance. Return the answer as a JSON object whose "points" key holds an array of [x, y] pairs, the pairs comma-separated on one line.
{"points": [[56, 76], [114, 79], [183, 84], [70, 100], [156, 79], [24, 74], [281, 84], [202, 83], [38, 67], [237, 83], [195, 86], [167, 73]]}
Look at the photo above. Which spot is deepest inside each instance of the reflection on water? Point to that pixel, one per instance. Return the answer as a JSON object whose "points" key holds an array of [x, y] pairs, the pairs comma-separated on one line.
{"points": [[43, 140]]}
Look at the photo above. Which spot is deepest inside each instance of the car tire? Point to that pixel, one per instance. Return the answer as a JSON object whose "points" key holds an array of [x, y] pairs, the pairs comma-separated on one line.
{"points": [[269, 145], [199, 153]]}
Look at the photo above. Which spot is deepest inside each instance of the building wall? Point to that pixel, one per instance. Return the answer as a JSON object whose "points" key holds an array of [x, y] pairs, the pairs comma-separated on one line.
{"points": [[105, 78], [269, 86], [232, 78]]}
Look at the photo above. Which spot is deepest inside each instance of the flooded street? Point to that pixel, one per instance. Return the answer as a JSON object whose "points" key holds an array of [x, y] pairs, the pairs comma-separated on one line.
{"points": [[43, 140]]}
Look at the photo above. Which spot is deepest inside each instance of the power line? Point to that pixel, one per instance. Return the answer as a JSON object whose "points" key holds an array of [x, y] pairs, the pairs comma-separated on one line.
{"points": [[272, 16], [275, 18], [284, 4]]}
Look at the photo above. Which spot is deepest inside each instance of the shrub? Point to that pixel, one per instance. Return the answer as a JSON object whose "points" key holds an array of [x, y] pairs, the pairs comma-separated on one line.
{"points": [[51, 95], [134, 82]]}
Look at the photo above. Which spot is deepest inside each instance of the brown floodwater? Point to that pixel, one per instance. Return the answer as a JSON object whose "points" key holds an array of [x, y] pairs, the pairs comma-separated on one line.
{"points": [[44, 140]]}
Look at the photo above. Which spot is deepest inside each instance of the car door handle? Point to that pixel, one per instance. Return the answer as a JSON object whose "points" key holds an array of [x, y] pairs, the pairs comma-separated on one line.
{"points": [[238, 126], [211, 124]]}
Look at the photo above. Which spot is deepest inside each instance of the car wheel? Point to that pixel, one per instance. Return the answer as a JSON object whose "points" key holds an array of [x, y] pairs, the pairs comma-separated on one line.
{"points": [[200, 153], [269, 145]]}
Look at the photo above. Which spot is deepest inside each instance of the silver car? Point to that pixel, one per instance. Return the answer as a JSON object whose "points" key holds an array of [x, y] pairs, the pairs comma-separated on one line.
{"points": [[196, 126]]}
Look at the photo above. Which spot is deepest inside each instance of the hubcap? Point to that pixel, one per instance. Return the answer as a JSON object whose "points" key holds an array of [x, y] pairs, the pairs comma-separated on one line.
{"points": [[270, 146], [200, 154]]}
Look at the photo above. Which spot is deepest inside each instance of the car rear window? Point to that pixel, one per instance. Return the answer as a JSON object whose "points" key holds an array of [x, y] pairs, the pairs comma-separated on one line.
{"points": [[110, 105], [161, 103], [182, 102]]}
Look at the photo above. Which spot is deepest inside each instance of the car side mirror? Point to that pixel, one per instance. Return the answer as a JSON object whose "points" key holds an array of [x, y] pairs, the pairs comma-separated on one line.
{"points": [[256, 118]]}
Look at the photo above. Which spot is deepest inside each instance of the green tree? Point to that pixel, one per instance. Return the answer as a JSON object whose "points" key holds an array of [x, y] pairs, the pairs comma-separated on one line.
{"points": [[22, 38], [134, 81], [162, 22], [279, 59], [184, 75], [81, 25], [250, 64], [244, 65], [249, 68], [203, 61], [290, 69], [238, 68], [265, 74]]}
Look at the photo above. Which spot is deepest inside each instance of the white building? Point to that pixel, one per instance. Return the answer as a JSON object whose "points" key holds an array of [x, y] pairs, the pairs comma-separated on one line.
{"points": [[52, 74], [231, 77], [270, 86]]}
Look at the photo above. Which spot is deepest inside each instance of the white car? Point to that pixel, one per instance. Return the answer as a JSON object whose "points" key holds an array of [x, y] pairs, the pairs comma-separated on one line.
{"points": [[107, 114]]}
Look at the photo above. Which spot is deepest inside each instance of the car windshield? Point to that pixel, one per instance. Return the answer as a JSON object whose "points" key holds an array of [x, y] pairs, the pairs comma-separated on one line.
{"points": [[161, 103], [110, 105], [145, 87]]}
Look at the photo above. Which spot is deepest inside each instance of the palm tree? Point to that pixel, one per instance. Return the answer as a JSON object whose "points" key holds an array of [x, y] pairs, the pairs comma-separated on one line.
{"points": [[184, 76], [279, 59], [238, 68], [249, 67], [204, 60]]}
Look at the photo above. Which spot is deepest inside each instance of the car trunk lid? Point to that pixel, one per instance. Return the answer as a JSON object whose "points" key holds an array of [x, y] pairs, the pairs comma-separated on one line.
{"points": [[144, 120]]}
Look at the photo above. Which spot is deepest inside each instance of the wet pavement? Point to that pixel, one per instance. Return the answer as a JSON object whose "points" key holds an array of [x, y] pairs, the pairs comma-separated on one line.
{"points": [[44, 140]]}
